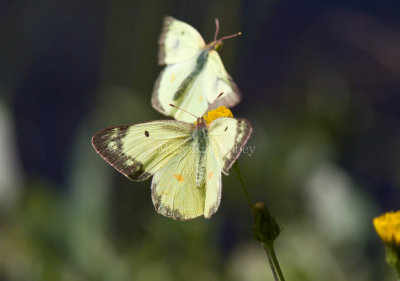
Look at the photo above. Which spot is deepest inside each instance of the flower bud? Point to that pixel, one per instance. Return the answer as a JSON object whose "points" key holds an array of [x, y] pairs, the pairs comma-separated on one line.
{"points": [[265, 228]]}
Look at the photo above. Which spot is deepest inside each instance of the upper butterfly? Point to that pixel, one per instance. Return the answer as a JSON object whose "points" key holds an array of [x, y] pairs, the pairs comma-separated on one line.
{"points": [[185, 159], [194, 74]]}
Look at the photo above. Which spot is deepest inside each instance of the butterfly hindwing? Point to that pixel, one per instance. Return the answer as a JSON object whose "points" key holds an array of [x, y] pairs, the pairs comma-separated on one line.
{"points": [[213, 184], [204, 90], [178, 42], [168, 85], [138, 151], [174, 190], [194, 101], [216, 80]]}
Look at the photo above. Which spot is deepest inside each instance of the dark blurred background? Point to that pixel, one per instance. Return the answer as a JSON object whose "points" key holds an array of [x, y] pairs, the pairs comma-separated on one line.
{"points": [[320, 83]]}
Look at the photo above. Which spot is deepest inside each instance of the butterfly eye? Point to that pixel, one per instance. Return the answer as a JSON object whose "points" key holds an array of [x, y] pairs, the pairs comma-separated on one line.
{"points": [[146, 133]]}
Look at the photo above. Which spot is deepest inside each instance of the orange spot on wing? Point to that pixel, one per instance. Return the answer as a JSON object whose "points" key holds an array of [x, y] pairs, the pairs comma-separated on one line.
{"points": [[210, 175], [178, 177], [200, 99], [173, 77]]}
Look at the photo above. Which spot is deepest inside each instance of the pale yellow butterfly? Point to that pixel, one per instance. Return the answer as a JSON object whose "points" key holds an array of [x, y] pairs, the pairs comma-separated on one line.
{"points": [[185, 160], [194, 73]]}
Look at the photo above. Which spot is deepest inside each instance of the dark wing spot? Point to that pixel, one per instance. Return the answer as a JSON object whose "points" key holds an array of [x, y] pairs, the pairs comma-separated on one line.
{"points": [[182, 32], [226, 128], [146, 133]]}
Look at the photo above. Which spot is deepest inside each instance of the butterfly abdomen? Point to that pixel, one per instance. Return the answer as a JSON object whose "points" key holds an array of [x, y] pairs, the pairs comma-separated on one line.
{"points": [[200, 143]]}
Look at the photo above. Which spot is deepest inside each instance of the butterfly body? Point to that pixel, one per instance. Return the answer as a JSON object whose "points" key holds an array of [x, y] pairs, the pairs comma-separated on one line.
{"points": [[185, 160], [200, 144], [194, 74]]}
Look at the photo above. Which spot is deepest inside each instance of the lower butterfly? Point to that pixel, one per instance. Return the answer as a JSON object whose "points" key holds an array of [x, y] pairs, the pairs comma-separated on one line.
{"points": [[185, 160]]}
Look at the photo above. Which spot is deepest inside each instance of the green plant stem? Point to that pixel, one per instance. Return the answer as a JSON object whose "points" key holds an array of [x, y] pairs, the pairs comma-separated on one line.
{"points": [[271, 264], [237, 170], [393, 257], [271, 249]]}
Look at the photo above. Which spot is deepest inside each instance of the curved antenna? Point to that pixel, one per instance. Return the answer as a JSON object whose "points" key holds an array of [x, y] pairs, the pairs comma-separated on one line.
{"points": [[230, 36], [216, 29], [183, 110]]}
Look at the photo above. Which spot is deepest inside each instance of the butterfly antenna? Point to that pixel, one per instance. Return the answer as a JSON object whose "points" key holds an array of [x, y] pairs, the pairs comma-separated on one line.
{"points": [[216, 29], [184, 110], [230, 36]]}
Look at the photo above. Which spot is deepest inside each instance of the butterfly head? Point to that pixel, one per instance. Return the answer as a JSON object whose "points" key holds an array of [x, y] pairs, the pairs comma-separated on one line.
{"points": [[201, 122], [218, 45]]}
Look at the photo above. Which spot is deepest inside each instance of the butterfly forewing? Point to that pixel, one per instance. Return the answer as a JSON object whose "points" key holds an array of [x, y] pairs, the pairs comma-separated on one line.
{"points": [[138, 151], [227, 137], [178, 42]]}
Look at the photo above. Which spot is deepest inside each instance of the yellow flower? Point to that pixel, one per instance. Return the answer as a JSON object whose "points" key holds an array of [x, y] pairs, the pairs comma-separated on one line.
{"points": [[388, 227], [221, 111]]}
